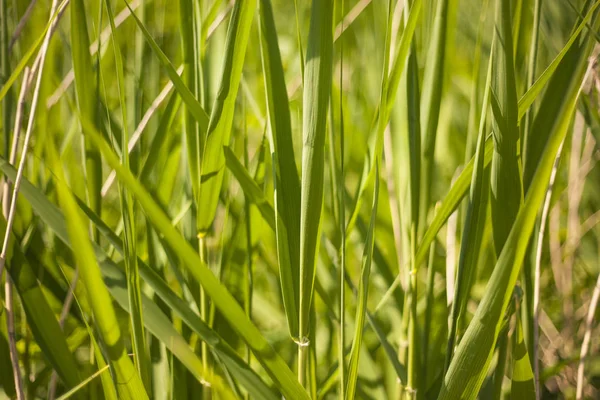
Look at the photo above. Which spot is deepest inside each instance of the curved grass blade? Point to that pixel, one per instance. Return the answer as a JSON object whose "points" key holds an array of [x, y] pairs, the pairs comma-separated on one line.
{"points": [[317, 88], [285, 172], [129, 384], [221, 118], [383, 117]]}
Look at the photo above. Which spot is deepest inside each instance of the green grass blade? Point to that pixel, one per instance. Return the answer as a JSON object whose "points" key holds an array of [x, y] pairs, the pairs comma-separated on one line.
{"points": [[192, 104], [82, 385], [505, 180], [473, 228], [189, 39], [129, 384], [431, 100], [85, 88], [393, 82], [285, 172], [8, 82], [140, 355], [250, 187], [522, 385], [535, 139], [363, 294], [40, 317], [221, 118], [317, 88]]}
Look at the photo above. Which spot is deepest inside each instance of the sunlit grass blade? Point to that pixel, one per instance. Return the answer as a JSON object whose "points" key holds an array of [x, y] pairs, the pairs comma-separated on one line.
{"points": [[535, 139], [393, 82], [473, 227], [190, 48], [285, 172], [317, 88], [221, 118], [128, 382], [85, 88], [522, 385], [134, 290], [431, 100], [362, 296], [505, 180], [16, 72]]}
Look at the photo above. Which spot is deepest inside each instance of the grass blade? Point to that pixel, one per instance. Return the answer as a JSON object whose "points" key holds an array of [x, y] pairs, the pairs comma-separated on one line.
{"points": [[505, 181], [363, 294], [221, 118], [522, 386], [317, 88], [85, 89], [192, 104], [134, 292], [285, 172]]}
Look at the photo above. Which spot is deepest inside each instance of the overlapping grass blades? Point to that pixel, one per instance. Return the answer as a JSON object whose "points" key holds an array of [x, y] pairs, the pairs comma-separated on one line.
{"points": [[221, 118], [219, 295], [153, 319], [127, 381], [476, 348]]}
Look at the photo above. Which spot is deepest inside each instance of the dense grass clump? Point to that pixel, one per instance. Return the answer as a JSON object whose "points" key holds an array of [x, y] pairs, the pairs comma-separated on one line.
{"points": [[268, 199]]}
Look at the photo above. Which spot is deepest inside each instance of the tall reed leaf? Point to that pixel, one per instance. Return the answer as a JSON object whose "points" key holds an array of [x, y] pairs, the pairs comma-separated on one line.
{"points": [[221, 118], [473, 227], [505, 181], [116, 280], [317, 88], [285, 172], [85, 88], [431, 99], [134, 290]]}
